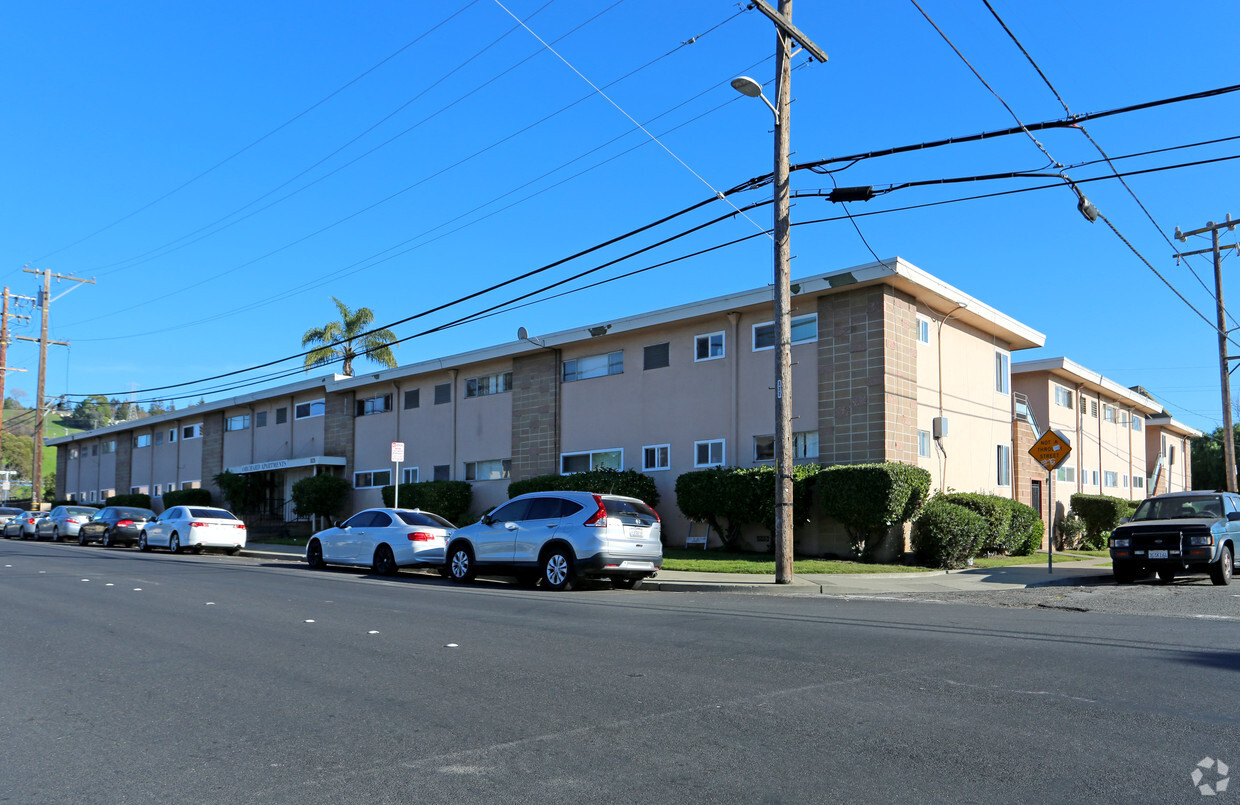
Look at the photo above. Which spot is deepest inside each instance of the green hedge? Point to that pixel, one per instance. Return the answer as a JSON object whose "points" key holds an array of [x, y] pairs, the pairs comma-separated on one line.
{"points": [[1100, 514], [187, 497], [868, 499], [134, 499], [629, 483], [321, 495], [994, 511], [449, 499], [1026, 530], [730, 498], [947, 534]]}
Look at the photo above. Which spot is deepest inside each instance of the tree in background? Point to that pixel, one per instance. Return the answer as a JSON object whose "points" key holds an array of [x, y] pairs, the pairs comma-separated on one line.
{"points": [[17, 453], [348, 339], [1207, 459], [92, 412]]}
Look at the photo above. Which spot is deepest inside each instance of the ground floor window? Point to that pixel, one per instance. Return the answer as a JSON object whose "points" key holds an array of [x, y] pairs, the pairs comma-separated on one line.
{"points": [[409, 475], [709, 453], [592, 460], [369, 479], [656, 457], [492, 470], [1004, 462]]}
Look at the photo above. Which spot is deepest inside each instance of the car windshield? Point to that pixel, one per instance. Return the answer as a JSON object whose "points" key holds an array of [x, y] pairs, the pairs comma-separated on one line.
{"points": [[4, 512], [423, 518], [218, 514], [1181, 506], [134, 514], [74, 510]]}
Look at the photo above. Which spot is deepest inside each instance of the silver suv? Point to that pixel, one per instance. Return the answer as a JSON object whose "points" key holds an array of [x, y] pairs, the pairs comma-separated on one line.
{"points": [[1179, 532], [558, 537]]}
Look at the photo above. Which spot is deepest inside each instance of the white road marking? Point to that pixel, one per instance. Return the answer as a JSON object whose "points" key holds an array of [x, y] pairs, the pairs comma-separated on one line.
{"points": [[451, 645], [373, 631], [309, 621]]}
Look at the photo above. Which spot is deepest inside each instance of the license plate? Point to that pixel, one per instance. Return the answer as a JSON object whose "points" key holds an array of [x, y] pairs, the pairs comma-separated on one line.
{"points": [[1158, 554], [636, 533]]}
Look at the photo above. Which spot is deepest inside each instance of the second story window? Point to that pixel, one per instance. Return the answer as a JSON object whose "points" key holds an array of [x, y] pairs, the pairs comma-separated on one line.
{"points": [[1001, 372], [142, 440], [611, 363], [239, 422], [497, 383], [708, 347], [309, 408], [1063, 397], [378, 404]]}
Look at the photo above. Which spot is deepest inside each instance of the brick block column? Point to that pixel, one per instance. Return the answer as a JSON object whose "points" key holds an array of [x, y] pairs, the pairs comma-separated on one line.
{"points": [[338, 428], [62, 469], [212, 454], [124, 463], [535, 414], [867, 377]]}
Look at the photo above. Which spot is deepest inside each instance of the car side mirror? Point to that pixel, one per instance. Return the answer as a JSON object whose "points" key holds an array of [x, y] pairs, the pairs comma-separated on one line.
{"points": [[485, 519], [1123, 520], [1233, 516], [339, 524]]}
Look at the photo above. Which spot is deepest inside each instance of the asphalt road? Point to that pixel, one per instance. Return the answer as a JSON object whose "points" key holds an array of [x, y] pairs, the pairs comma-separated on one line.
{"points": [[150, 678]]}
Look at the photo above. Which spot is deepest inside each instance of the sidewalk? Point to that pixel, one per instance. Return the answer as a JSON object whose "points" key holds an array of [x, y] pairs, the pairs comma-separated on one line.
{"points": [[1015, 577]]}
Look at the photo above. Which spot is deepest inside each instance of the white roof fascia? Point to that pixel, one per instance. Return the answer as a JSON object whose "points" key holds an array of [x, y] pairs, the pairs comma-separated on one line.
{"points": [[1174, 425], [1087, 377]]}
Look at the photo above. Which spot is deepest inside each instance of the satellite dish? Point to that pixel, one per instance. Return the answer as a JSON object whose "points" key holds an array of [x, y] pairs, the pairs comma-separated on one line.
{"points": [[522, 333]]}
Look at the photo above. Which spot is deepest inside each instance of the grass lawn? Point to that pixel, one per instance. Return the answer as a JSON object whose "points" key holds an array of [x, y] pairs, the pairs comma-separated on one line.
{"points": [[1032, 559], [697, 561]]}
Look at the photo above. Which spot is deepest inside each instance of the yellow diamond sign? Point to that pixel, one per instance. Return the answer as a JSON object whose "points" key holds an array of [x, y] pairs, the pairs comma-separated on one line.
{"points": [[1051, 449]]}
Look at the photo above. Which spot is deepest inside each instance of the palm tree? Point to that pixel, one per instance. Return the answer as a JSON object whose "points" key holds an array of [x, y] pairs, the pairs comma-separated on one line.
{"points": [[336, 340]]}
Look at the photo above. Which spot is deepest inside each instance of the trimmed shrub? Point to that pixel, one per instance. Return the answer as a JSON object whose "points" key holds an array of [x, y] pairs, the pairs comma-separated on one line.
{"points": [[135, 499], [449, 499], [730, 498], [244, 493], [1026, 529], [946, 534], [187, 497], [868, 499], [321, 495], [629, 483], [1069, 532], [996, 514], [1100, 514]]}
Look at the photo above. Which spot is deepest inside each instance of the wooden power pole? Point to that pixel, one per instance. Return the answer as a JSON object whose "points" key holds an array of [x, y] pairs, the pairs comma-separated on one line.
{"points": [[4, 350], [45, 302]]}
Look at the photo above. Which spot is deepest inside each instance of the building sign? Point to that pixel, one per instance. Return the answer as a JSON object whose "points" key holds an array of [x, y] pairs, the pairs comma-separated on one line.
{"points": [[398, 452], [1051, 449], [288, 463]]}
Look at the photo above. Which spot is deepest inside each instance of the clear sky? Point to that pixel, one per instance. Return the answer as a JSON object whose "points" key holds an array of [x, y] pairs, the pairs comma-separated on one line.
{"points": [[222, 169]]}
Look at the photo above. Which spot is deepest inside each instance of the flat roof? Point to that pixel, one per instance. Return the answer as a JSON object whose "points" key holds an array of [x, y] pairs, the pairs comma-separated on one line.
{"points": [[1074, 374]]}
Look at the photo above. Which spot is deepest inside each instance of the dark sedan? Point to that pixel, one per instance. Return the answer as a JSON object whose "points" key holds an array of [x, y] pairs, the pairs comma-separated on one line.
{"points": [[115, 525]]}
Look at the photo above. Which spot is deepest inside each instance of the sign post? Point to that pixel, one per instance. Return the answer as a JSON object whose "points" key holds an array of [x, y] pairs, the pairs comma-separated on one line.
{"points": [[398, 455], [1050, 450]]}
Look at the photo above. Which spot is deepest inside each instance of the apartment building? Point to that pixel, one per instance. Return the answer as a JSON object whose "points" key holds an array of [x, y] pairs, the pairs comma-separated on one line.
{"points": [[890, 363]]}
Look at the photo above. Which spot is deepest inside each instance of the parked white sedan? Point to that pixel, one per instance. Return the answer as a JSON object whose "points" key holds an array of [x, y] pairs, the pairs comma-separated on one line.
{"points": [[382, 539], [193, 528]]}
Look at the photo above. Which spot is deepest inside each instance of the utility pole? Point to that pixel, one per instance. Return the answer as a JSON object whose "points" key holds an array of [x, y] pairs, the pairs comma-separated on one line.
{"points": [[36, 481], [1229, 440], [785, 34], [4, 354]]}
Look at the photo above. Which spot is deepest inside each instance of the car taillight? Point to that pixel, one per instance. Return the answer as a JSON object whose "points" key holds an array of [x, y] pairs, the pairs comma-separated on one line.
{"points": [[31, 521], [239, 525], [197, 525], [420, 536], [599, 518], [124, 522]]}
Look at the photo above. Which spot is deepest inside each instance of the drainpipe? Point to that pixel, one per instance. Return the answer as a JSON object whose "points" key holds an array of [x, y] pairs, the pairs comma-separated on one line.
{"points": [[395, 410], [734, 317], [453, 373], [938, 337], [1079, 424]]}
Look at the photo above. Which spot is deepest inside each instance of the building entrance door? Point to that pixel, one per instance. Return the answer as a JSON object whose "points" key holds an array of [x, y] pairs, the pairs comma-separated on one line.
{"points": [[1035, 496]]}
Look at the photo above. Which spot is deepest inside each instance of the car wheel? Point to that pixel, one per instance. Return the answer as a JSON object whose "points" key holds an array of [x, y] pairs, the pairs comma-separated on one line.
{"points": [[174, 544], [234, 551], [82, 540], [1166, 575], [557, 569], [1221, 571], [143, 545], [106, 539], [55, 534], [384, 562], [1123, 574], [461, 564], [627, 582], [314, 555]]}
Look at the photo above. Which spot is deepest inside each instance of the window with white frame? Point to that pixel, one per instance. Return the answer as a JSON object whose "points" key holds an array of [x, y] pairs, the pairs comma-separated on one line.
{"points": [[1138, 482], [192, 431], [170, 487], [238, 422], [172, 435], [656, 457], [139, 490], [710, 453], [73, 452], [1004, 465], [92, 496], [493, 470], [1123, 481], [804, 445], [369, 479], [1002, 373], [804, 330], [1108, 413], [611, 363], [1123, 418], [1137, 419], [82, 496], [158, 490], [1063, 397], [142, 440], [708, 347], [309, 408], [1110, 479], [923, 443], [409, 475], [923, 329], [497, 383], [592, 460], [1067, 474], [376, 404]]}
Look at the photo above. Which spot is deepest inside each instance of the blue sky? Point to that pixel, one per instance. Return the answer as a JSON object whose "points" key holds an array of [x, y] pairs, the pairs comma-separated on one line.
{"points": [[223, 169]]}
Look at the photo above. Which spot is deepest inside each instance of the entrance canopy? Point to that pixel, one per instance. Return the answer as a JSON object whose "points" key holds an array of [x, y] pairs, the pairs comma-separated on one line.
{"points": [[288, 463]]}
